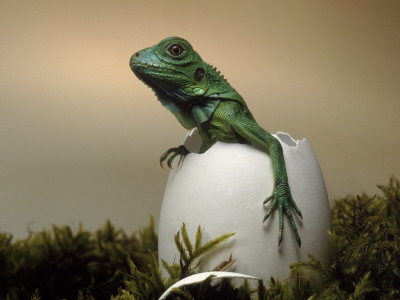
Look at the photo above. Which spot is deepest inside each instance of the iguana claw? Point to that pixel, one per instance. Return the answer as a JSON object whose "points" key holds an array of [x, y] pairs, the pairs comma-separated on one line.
{"points": [[180, 150], [282, 198]]}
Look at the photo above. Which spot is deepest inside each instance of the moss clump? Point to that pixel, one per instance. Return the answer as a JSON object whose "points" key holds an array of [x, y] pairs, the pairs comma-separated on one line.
{"points": [[144, 286], [365, 243], [61, 264]]}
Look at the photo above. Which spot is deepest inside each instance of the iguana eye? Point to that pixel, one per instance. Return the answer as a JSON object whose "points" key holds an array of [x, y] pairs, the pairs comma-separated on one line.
{"points": [[176, 50], [199, 74]]}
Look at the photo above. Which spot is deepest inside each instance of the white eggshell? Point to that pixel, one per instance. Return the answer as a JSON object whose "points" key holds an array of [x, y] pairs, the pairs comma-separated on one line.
{"points": [[223, 191], [200, 277]]}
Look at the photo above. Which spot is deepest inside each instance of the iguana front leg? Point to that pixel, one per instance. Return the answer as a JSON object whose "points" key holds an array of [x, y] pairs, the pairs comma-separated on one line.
{"points": [[180, 150], [281, 196]]}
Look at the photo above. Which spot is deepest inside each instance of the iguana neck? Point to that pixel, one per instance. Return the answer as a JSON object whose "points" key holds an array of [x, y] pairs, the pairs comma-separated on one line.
{"points": [[219, 87], [192, 111]]}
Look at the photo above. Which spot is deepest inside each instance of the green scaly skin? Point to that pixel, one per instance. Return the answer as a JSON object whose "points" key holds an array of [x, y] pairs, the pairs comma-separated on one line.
{"points": [[199, 96]]}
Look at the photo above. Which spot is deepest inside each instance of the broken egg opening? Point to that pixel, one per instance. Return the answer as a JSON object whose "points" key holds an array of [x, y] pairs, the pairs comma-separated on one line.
{"points": [[223, 190]]}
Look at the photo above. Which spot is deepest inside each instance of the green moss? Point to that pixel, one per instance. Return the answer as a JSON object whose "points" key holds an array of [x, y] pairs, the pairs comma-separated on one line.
{"points": [[61, 264], [365, 243]]}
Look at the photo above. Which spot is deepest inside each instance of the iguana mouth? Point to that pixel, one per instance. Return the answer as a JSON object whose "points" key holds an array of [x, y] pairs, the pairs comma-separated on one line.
{"points": [[139, 66], [148, 64]]}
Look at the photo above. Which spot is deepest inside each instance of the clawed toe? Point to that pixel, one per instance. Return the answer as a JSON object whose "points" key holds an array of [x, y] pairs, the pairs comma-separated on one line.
{"points": [[284, 202], [181, 151]]}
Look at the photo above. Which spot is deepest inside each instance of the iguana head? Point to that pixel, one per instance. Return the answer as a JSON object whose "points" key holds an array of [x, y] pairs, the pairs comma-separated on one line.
{"points": [[177, 73]]}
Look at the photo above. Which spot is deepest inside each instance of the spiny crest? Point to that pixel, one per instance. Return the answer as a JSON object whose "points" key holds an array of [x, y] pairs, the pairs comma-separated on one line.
{"points": [[216, 75]]}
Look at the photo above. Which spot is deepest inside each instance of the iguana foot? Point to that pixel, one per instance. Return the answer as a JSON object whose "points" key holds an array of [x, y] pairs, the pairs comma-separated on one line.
{"points": [[180, 150], [282, 198]]}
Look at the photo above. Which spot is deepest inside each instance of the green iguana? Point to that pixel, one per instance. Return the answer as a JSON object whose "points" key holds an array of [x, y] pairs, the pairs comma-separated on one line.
{"points": [[199, 96]]}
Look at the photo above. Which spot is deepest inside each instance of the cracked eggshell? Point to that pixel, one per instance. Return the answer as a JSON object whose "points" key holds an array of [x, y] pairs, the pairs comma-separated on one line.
{"points": [[200, 277], [223, 191]]}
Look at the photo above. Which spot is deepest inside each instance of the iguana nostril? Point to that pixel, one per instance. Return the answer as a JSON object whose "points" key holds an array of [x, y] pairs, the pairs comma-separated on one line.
{"points": [[137, 54]]}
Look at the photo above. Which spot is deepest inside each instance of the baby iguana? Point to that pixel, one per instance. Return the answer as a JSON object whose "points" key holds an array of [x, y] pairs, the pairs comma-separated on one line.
{"points": [[199, 96]]}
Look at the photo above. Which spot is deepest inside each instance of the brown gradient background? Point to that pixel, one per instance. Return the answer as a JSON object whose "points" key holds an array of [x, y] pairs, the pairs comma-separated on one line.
{"points": [[81, 136]]}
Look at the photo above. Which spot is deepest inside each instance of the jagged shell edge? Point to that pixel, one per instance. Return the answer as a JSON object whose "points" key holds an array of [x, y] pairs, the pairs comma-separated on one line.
{"points": [[196, 278]]}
